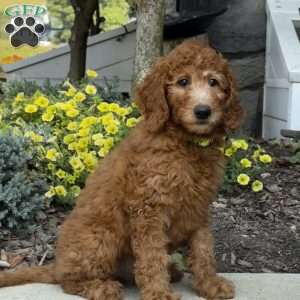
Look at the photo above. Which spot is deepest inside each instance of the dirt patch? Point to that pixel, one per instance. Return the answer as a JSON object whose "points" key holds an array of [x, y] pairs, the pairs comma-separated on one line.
{"points": [[35, 245]]}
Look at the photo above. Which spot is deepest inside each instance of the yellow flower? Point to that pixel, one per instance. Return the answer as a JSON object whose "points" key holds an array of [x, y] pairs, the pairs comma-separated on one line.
{"points": [[88, 122], [122, 112], [69, 138], [80, 96], [72, 146], [71, 179], [244, 145], [89, 160], [34, 137], [111, 128], [60, 105], [91, 89], [114, 107], [41, 101], [47, 117], [68, 84], [76, 164], [51, 166], [103, 152], [84, 132], [31, 108], [52, 154], [72, 113], [239, 144], [75, 190], [20, 97], [61, 174], [51, 192], [71, 104], [229, 152], [108, 143], [246, 163], [107, 119], [82, 144], [99, 141], [71, 91], [97, 136], [37, 138], [265, 158], [60, 190], [72, 126], [257, 186], [256, 154], [131, 122], [243, 179], [105, 143], [91, 73], [51, 109], [103, 107]]}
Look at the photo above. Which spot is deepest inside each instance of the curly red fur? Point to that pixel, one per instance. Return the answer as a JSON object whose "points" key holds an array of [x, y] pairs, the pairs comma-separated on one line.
{"points": [[152, 193]]}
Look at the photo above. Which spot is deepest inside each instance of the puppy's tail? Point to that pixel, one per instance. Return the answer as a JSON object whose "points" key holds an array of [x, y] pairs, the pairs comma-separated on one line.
{"points": [[42, 274]]}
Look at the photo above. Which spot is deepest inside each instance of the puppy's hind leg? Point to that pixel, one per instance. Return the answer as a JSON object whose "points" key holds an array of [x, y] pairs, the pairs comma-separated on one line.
{"points": [[87, 263]]}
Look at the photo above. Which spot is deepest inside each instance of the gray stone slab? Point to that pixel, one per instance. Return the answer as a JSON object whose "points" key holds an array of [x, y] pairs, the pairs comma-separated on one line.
{"points": [[248, 287], [241, 29], [249, 71]]}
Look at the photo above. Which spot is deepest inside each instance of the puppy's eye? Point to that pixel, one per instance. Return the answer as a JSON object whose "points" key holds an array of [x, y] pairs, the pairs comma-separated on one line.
{"points": [[213, 82], [183, 82]]}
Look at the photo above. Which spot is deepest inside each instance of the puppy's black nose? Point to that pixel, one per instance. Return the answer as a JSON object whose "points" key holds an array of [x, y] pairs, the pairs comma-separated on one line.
{"points": [[202, 112]]}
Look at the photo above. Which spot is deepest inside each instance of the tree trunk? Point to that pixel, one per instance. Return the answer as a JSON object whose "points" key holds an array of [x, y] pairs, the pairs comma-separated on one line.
{"points": [[84, 11], [149, 36]]}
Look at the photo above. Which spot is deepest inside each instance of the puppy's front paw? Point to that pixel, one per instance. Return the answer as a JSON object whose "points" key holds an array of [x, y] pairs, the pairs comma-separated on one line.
{"points": [[216, 288], [159, 295]]}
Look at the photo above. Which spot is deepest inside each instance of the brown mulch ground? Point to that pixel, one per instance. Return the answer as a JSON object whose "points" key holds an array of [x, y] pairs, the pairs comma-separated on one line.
{"points": [[254, 232], [260, 232]]}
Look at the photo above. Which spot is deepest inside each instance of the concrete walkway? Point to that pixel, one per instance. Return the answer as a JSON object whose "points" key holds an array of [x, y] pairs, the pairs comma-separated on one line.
{"points": [[248, 287]]}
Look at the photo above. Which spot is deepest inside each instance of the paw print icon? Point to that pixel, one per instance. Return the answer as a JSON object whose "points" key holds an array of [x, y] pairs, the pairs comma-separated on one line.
{"points": [[24, 30]]}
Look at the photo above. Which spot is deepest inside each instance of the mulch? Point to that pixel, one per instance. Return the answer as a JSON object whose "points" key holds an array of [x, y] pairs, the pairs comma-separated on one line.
{"points": [[260, 232], [254, 232]]}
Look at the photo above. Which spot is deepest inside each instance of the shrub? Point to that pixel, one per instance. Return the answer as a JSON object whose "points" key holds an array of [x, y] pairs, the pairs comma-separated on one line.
{"points": [[21, 192], [295, 157]]}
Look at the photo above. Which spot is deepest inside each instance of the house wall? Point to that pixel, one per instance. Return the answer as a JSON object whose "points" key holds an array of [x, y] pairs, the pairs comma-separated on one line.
{"points": [[110, 54]]}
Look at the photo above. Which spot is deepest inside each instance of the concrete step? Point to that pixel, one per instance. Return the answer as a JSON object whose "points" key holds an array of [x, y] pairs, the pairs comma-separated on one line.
{"points": [[248, 287]]}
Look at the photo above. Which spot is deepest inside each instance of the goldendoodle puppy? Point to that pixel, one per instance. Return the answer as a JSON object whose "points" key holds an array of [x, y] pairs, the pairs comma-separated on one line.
{"points": [[152, 193]]}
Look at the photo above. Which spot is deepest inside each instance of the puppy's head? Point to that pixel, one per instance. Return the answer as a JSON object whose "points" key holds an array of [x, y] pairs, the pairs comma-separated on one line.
{"points": [[192, 87]]}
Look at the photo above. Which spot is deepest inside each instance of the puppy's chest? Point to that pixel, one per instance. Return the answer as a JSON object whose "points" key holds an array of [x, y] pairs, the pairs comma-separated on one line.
{"points": [[189, 212], [198, 188]]}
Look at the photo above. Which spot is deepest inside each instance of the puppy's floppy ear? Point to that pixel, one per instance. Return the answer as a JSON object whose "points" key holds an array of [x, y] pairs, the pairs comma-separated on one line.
{"points": [[234, 113], [150, 97]]}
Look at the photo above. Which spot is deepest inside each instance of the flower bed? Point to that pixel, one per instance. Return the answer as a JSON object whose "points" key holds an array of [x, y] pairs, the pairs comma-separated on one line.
{"points": [[68, 132]]}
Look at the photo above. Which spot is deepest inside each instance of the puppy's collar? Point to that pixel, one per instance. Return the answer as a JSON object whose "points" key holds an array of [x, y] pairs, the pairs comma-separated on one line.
{"points": [[202, 142]]}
